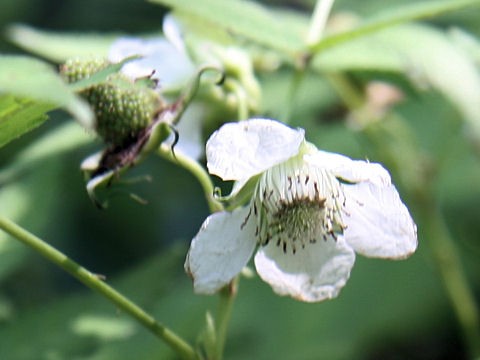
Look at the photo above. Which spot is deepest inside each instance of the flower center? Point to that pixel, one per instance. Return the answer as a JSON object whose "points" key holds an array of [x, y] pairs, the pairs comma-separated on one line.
{"points": [[296, 204]]}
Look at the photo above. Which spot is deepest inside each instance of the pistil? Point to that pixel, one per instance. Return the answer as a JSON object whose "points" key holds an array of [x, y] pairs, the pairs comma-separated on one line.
{"points": [[296, 204]]}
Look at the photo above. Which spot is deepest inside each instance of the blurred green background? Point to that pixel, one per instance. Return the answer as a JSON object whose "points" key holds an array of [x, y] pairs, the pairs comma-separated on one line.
{"points": [[388, 310]]}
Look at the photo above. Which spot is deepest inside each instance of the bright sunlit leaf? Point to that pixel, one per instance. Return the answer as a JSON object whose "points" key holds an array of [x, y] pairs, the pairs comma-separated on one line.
{"points": [[18, 116], [244, 19], [391, 17]]}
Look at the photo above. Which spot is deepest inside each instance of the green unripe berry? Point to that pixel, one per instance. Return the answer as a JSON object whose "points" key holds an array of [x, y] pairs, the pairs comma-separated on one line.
{"points": [[76, 69], [122, 111], [122, 108]]}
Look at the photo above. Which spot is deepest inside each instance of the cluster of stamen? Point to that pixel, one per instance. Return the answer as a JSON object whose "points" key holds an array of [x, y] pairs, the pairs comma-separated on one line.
{"points": [[296, 204]]}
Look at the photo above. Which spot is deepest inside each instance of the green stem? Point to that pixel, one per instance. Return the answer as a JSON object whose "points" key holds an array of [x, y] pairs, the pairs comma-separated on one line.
{"points": [[227, 296], [349, 94], [241, 95], [315, 33], [318, 21], [93, 282], [197, 170], [181, 104]]}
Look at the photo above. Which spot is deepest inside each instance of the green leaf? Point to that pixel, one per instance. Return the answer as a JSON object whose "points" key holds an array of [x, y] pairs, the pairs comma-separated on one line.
{"points": [[28, 89], [245, 19], [59, 47], [18, 116], [468, 42], [271, 29], [390, 17], [425, 55]]}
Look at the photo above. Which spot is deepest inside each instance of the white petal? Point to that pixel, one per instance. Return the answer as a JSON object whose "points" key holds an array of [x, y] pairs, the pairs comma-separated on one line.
{"points": [[128, 46], [220, 250], [171, 67], [240, 150], [378, 223], [173, 33], [350, 170], [314, 273]]}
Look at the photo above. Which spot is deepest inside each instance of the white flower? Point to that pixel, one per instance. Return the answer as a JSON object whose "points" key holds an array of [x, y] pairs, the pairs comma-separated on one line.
{"points": [[170, 66], [162, 59], [308, 213]]}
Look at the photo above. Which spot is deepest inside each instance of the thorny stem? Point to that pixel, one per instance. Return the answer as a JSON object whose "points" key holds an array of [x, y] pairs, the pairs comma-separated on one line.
{"points": [[92, 281], [197, 170]]}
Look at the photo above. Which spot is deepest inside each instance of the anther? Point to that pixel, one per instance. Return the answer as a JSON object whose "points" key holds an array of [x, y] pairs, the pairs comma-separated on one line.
{"points": [[246, 219]]}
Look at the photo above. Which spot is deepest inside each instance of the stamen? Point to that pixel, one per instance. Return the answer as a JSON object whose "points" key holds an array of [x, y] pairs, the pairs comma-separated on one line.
{"points": [[300, 210], [268, 239], [270, 195], [246, 219]]}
